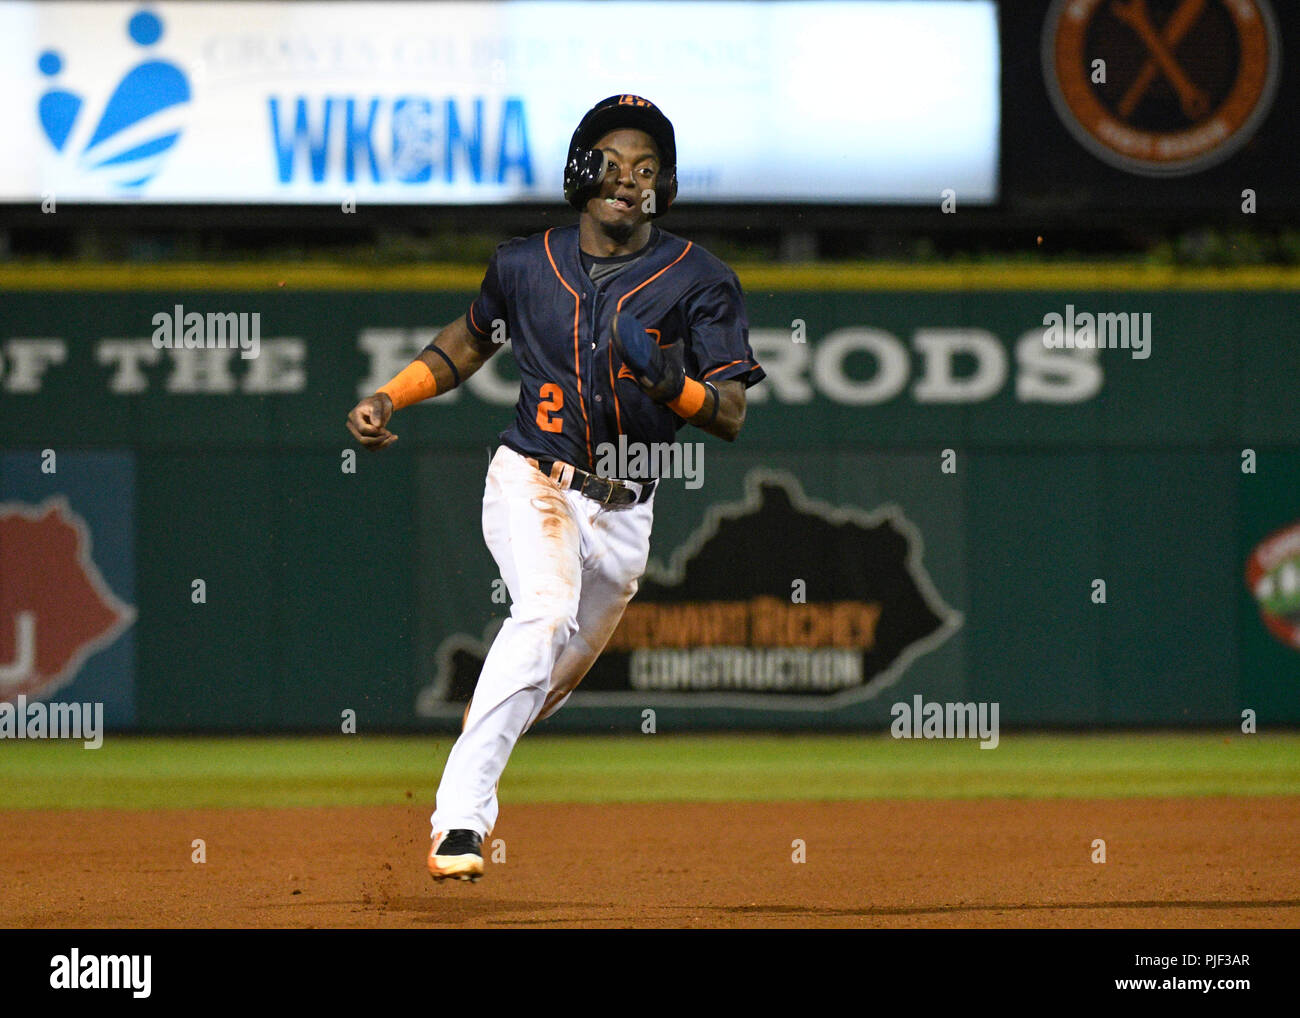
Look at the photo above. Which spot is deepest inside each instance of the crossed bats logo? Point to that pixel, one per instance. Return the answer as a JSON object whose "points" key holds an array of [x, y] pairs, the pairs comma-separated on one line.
{"points": [[1161, 87]]}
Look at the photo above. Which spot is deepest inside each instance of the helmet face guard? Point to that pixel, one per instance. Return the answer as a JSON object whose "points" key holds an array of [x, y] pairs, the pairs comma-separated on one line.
{"points": [[585, 168]]}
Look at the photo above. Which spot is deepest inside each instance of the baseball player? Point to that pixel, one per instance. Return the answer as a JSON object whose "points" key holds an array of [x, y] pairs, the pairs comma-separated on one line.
{"points": [[620, 329]]}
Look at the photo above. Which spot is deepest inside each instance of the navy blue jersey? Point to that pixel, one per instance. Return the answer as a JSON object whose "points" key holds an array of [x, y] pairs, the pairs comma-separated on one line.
{"points": [[575, 393]]}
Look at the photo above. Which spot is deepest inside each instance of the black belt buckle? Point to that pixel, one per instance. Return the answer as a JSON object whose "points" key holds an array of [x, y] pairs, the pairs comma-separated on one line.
{"points": [[598, 488], [607, 491]]}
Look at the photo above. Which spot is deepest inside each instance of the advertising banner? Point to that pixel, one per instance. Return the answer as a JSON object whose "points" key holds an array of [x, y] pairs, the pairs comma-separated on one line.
{"points": [[67, 583], [1079, 503], [259, 102]]}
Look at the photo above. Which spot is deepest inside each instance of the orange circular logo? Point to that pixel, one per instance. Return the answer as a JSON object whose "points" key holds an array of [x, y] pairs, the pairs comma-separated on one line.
{"points": [[1161, 87]]}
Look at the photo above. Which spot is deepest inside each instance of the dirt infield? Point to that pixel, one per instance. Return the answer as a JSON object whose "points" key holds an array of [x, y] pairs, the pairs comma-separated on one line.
{"points": [[1177, 863]]}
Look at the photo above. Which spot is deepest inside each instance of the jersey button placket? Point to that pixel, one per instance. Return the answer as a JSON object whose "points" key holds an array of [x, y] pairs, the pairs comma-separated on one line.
{"points": [[594, 304]]}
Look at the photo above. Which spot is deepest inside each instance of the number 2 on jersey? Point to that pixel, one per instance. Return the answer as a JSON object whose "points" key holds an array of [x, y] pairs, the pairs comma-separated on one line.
{"points": [[552, 403]]}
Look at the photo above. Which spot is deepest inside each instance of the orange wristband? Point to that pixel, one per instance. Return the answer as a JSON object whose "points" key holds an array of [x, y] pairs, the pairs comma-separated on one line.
{"points": [[692, 397], [412, 384]]}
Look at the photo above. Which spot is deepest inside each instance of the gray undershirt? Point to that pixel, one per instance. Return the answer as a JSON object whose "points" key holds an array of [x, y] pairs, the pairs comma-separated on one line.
{"points": [[601, 270]]}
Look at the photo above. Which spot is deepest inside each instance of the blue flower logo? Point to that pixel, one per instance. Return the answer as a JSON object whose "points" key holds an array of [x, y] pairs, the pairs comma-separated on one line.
{"points": [[132, 136]]}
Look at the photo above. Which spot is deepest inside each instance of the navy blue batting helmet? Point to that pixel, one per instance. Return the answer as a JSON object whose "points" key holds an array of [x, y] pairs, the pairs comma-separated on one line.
{"points": [[585, 168]]}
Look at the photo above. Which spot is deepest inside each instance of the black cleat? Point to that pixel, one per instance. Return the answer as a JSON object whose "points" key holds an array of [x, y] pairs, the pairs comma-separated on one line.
{"points": [[456, 855]]}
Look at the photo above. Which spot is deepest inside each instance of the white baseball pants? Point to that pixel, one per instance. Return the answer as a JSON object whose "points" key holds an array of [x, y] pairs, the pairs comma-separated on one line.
{"points": [[571, 567]]}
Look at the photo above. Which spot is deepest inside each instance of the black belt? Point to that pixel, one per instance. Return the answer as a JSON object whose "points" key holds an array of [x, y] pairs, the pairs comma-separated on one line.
{"points": [[604, 490]]}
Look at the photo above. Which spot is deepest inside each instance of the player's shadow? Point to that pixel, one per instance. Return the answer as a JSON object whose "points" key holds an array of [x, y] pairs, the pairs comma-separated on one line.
{"points": [[460, 905], [905, 910], [463, 906]]}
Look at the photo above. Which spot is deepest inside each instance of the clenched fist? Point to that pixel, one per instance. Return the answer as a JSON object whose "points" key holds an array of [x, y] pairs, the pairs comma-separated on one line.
{"points": [[367, 420]]}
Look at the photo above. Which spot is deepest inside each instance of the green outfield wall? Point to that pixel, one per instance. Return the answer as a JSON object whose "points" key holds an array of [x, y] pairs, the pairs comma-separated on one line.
{"points": [[927, 501]]}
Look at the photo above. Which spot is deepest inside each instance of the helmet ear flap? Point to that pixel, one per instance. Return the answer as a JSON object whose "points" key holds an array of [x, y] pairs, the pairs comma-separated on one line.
{"points": [[582, 176], [665, 190]]}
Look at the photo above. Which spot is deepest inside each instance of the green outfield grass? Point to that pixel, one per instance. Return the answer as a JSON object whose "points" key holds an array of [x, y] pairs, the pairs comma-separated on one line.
{"points": [[143, 773]]}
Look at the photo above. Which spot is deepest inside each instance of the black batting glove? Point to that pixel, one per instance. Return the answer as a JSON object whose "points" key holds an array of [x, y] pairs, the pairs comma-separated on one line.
{"points": [[660, 371]]}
